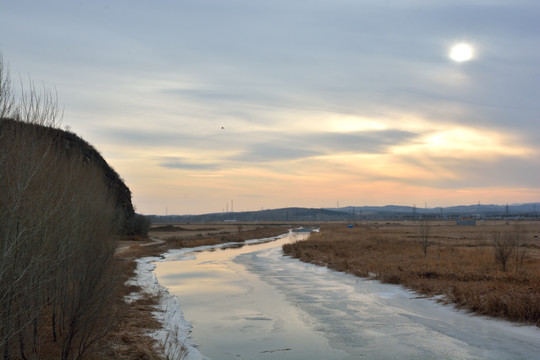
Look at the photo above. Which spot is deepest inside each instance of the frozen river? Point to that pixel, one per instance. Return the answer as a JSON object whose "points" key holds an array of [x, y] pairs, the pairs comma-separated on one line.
{"points": [[254, 303]]}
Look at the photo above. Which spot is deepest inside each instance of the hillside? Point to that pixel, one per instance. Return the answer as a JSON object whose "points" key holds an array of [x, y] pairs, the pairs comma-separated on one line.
{"points": [[71, 144], [63, 209], [285, 214]]}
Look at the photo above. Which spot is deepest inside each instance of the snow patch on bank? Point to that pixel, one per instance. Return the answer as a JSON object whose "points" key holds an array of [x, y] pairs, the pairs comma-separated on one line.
{"points": [[173, 337]]}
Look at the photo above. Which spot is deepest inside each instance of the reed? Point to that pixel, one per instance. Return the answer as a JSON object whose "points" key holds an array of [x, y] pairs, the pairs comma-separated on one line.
{"points": [[461, 266]]}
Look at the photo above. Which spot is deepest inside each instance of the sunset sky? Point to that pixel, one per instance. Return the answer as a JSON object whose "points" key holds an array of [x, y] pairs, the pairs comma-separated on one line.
{"points": [[197, 103]]}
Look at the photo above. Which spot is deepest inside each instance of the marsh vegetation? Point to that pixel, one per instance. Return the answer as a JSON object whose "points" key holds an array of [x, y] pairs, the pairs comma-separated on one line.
{"points": [[490, 269]]}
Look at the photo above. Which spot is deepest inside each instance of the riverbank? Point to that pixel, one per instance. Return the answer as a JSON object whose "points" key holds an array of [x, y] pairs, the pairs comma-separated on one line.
{"points": [[459, 266], [145, 306], [251, 302]]}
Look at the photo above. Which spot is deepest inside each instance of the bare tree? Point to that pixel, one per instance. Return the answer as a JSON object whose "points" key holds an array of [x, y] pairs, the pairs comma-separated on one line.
{"points": [[58, 225], [503, 245], [7, 96], [519, 236], [424, 230]]}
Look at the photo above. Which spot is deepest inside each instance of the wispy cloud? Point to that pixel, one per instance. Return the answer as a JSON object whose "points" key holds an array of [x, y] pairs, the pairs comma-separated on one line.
{"points": [[180, 163], [251, 99]]}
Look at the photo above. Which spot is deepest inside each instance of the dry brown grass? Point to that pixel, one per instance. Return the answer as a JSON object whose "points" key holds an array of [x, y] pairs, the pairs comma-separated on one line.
{"points": [[459, 265], [130, 339]]}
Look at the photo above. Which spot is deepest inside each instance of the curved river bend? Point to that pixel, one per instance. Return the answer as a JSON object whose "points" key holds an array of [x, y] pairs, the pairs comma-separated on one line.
{"points": [[254, 303]]}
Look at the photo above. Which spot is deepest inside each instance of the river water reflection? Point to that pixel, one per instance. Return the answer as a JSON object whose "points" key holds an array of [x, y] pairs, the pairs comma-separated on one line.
{"points": [[254, 303], [236, 315]]}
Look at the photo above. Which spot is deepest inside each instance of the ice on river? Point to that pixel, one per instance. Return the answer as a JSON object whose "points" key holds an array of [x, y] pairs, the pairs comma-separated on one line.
{"points": [[254, 303]]}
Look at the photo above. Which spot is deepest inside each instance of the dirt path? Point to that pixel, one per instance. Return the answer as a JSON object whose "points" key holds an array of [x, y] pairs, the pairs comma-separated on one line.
{"points": [[125, 245]]}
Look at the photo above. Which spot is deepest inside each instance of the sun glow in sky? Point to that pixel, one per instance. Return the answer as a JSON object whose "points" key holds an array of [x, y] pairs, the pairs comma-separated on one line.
{"points": [[276, 104], [461, 52]]}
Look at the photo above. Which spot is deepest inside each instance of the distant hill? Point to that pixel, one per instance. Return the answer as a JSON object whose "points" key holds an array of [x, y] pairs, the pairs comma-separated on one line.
{"points": [[359, 213], [529, 209], [285, 214]]}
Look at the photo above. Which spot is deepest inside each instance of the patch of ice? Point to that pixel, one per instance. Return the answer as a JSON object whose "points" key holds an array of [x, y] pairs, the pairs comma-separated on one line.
{"points": [[134, 296]]}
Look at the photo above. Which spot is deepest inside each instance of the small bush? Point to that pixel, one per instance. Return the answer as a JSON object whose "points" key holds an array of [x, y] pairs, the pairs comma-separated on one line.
{"points": [[503, 245], [137, 225]]}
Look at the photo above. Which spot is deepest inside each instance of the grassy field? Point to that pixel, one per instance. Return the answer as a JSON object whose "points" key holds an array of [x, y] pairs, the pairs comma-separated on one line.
{"points": [[459, 266]]}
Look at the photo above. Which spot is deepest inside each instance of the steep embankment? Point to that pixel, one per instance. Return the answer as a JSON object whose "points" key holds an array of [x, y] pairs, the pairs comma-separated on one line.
{"points": [[70, 144], [62, 210]]}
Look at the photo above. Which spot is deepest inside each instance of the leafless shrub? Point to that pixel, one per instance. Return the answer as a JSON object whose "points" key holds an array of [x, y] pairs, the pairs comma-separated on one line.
{"points": [[519, 236], [503, 245], [172, 346]]}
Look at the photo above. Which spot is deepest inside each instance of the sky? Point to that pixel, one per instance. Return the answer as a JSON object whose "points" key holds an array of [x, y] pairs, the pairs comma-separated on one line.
{"points": [[209, 105]]}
